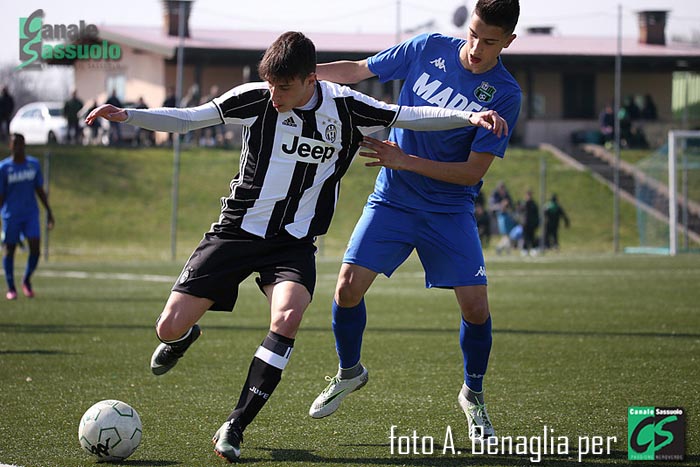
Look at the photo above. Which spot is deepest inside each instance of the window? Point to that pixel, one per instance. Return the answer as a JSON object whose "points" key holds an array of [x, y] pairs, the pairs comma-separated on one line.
{"points": [[579, 95]]}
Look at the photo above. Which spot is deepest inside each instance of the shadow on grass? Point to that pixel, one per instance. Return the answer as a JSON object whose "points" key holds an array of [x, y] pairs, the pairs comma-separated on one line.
{"points": [[66, 328], [34, 352], [147, 463], [437, 459]]}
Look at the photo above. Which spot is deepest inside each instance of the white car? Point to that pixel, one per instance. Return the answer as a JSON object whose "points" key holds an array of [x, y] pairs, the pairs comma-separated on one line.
{"points": [[41, 123]]}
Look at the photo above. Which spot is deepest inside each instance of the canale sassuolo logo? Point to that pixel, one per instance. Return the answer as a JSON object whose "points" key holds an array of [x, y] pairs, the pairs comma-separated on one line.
{"points": [[39, 42]]}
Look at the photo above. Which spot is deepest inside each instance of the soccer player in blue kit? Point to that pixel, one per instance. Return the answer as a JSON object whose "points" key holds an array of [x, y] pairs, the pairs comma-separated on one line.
{"points": [[21, 182], [424, 195]]}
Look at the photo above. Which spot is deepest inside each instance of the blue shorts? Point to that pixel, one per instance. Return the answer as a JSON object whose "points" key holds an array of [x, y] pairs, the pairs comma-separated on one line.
{"points": [[13, 229], [447, 244]]}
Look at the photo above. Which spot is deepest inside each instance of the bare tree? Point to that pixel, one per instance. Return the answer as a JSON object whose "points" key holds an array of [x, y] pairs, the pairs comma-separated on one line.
{"points": [[52, 83]]}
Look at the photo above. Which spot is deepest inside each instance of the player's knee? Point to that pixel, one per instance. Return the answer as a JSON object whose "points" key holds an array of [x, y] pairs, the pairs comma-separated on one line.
{"points": [[346, 295], [287, 322], [476, 313], [164, 329], [168, 328]]}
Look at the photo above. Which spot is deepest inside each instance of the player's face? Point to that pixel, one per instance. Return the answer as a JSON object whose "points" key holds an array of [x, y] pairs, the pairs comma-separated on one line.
{"points": [[288, 94], [484, 45], [16, 145]]}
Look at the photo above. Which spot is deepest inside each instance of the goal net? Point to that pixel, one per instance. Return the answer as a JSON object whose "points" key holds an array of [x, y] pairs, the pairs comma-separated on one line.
{"points": [[667, 190]]}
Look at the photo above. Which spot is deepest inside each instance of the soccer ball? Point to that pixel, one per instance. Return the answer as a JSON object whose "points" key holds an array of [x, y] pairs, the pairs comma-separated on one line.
{"points": [[110, 430]]}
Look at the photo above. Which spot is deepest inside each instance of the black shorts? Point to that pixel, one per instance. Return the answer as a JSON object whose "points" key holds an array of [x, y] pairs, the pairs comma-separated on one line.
{"points": [[221, 262]]}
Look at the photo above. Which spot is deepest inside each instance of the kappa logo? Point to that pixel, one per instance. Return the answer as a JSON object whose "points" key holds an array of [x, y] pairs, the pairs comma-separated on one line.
{"points": [[439, 64], [480, 272], [485, 92], [290, 122]]}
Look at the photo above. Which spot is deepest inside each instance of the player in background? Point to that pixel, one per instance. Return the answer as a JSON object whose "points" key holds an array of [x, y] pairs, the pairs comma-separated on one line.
{"points": [[424, 194], [300, 135], [21, 182]]}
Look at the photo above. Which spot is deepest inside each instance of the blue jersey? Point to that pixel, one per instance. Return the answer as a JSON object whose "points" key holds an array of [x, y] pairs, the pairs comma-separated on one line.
{"points": [[434, 75], [18, 184]]}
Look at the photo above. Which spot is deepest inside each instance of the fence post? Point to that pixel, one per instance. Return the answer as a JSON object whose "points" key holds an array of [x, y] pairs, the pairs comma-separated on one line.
{"points": [[47, 185]]}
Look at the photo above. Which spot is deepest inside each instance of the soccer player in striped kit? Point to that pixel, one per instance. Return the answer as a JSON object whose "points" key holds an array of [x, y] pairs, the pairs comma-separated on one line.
{"points": [[299, 138]]}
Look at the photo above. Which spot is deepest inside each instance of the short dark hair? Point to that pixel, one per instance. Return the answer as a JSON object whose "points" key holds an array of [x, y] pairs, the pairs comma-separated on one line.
{"points": [[501, 13], [292, 55], [18, 137]]}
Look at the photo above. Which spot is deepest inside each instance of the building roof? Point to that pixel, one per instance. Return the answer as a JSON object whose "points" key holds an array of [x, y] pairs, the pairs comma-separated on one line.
{"points": [[155, 40]]}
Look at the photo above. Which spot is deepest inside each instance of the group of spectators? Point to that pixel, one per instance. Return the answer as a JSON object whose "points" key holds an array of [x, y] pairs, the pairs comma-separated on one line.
{"points": [[630, 114], [517, 223]]}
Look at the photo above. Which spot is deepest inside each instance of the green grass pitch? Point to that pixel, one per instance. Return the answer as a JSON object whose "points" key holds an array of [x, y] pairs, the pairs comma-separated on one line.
{"points": [[577, 340]]}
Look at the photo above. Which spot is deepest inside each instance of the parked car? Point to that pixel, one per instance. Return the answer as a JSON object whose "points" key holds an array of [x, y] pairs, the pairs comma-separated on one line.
{"points": [[41, 123], [103, 133]]}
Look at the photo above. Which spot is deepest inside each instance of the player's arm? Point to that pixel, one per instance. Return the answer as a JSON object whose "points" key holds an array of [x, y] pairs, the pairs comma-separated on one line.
{"points": [[344, 71], [168, 119], [436, 118], [45, 201], [388, 154]]}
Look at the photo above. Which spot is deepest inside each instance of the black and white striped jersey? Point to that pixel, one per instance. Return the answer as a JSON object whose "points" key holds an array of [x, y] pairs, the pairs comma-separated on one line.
{"points": [[292, 162]]}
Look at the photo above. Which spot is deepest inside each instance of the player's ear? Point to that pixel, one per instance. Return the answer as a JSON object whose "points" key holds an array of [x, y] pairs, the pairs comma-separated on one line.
{"points": [[311, 78], [510, 40]]}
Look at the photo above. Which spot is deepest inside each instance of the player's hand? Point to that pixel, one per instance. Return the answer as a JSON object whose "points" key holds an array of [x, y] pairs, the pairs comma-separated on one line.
{"points": [[387, 153], [50, 222], [108, 112], [490, 120]]}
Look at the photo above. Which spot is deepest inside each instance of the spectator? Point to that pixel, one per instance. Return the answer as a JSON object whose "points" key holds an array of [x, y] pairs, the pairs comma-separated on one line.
{"points": [[509, 229], [7, 106], [71, 109], [606, 121], [483, 224], [501, 204], [171, 98], [115, 129], [94, 133], [530, 222], [648, 111], [212, 135], [553, 212], [142, 134], [170, 101]]}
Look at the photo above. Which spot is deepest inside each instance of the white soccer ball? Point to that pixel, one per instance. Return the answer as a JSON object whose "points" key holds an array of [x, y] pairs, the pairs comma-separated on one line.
{"points": [[110, 430]]}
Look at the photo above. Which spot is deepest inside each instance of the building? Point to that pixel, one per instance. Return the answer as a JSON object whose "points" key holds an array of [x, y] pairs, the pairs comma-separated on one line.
{"points": [[566, 81]]}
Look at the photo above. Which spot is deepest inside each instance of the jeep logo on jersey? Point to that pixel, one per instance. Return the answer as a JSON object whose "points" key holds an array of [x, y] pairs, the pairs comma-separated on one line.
{"points": [[485, 92], [306, 149]]}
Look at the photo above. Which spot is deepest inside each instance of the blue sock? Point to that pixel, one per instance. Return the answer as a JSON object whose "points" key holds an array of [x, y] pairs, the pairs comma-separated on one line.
{"points": [[348, 326], [32, 262], [475, 341], [8, 264]]}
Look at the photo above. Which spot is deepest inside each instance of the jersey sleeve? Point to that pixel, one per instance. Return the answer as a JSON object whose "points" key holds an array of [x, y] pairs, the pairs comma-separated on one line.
{"points": [[485, 140], [368, 114], [394, 62], [243, 104]]}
